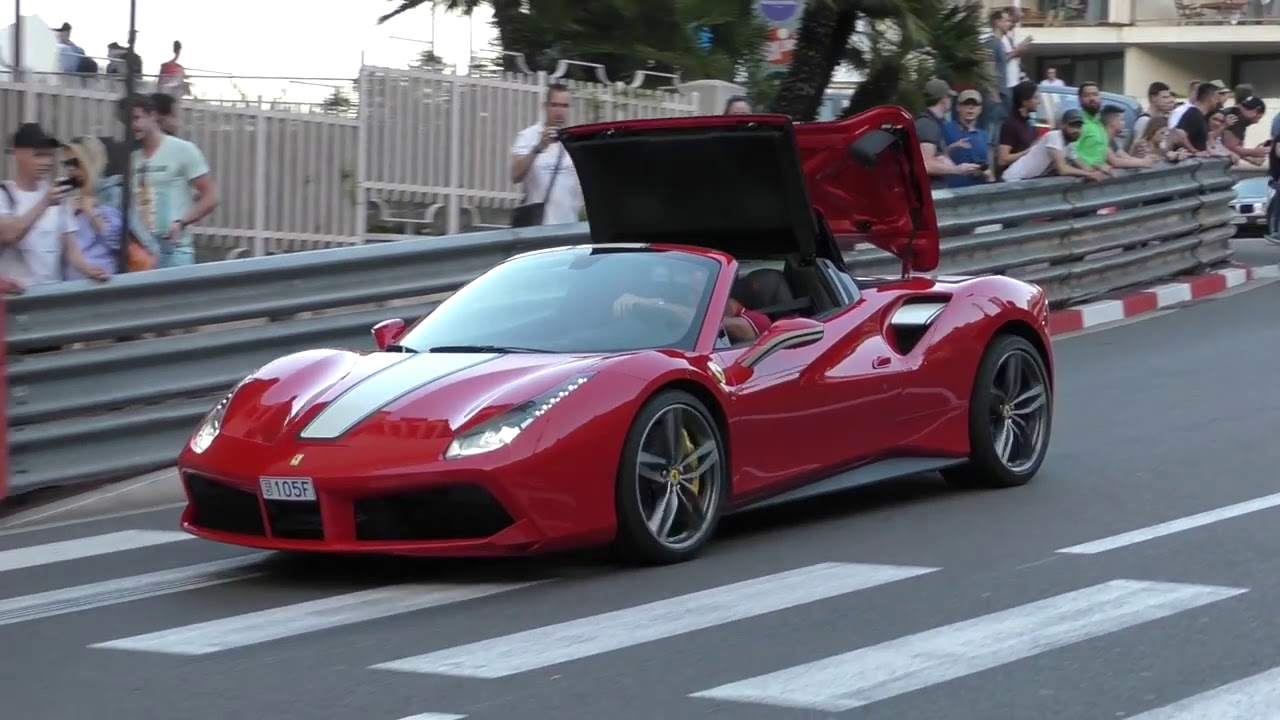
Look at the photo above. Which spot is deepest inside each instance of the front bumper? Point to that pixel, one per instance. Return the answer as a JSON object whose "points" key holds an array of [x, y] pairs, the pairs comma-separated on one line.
{"points": [[454, 508]]}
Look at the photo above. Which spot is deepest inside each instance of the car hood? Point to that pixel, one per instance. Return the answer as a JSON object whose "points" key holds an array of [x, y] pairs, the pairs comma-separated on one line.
{"points": [[339, 396]]}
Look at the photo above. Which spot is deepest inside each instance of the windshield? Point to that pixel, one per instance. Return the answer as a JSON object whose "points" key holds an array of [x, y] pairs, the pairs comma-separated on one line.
{"points": [[577, 300], [1252, 187]]}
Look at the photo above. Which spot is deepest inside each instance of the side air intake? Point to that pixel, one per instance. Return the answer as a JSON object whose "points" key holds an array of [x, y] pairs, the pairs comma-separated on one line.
{"points": [[912, 319]]}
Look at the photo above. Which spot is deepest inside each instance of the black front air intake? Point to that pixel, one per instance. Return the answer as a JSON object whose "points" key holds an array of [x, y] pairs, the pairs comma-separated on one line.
{"points": [[454, 512]]}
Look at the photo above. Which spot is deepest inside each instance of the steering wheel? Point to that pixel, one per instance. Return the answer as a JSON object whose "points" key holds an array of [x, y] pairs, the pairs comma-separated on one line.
{"points": [[650, 315]]}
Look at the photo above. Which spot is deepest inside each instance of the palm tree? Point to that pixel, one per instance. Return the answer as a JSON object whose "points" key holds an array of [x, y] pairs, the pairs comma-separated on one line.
{"points": [[897, 45], [664, 37]]}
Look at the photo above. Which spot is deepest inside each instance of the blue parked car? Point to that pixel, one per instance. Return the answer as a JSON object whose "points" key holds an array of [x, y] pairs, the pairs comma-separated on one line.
{"points": [[1056, 98]]}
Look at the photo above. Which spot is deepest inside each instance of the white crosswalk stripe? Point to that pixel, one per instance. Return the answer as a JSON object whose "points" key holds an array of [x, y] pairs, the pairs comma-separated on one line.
{"points": [[79, 548], [137, 587], [577, 639], [854, 677], [282, 622], [868, 675], [1253, 698]]}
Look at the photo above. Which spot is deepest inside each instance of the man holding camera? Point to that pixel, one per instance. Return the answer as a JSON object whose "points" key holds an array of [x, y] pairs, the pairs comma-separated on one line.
{"points": [[37, 228]]}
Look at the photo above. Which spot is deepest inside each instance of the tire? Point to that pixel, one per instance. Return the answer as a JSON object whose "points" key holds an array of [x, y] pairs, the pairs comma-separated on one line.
{"points": [[985, 468], [636, 494]]}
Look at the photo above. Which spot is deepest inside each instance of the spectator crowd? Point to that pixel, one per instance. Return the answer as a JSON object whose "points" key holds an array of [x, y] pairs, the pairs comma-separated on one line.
{"points": [[62, 214], [1001, 134], [73, 62]]}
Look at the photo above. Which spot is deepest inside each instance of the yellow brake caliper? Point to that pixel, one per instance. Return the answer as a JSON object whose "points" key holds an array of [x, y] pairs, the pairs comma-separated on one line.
{"points": [[688, 451]]}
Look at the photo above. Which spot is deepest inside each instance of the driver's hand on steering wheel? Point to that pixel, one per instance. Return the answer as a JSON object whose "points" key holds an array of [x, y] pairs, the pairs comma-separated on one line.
{"points": [[624, 304]]}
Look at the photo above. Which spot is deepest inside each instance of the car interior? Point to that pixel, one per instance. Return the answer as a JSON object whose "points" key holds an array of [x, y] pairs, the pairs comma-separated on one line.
{"points": [[783, 287]]}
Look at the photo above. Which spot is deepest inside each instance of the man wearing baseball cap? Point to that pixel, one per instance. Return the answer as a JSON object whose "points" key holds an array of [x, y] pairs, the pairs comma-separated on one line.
{"points": [[968, 142], [37, 229], [938, 95], [1050, 155], [1246, 112]]}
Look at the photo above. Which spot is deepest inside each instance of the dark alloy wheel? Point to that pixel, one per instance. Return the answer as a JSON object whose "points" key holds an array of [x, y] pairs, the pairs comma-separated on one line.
{"points": [[672, 480], [1010, 415]]}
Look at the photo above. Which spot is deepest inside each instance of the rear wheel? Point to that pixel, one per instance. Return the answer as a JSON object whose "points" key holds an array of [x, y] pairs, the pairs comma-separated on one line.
{"points": [[672, 480], [1010, 415]]}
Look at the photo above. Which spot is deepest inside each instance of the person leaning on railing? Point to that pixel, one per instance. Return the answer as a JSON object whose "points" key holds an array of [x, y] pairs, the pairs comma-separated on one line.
{"points": [[1154, 142], [1273, 206]]}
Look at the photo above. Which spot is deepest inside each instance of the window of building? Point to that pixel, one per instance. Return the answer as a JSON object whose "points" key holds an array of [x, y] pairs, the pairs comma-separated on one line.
{"points": [[1106, 70], [1260, 71]]}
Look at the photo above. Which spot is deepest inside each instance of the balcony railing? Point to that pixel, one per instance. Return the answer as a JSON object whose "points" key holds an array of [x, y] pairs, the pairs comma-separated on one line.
{"points": [[1206, 12], [1051, 13], [1068, 13]]}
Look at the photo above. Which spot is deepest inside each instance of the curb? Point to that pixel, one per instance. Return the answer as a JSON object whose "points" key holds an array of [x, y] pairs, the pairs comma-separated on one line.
{"points": [[1154, 298]]}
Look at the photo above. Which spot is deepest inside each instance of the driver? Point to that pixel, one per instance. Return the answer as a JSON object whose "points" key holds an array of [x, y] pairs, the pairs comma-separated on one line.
{"points": [[739, 323]]}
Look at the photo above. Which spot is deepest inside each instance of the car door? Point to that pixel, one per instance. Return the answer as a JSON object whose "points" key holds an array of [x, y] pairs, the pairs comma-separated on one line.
{"points": [[806, 411]]}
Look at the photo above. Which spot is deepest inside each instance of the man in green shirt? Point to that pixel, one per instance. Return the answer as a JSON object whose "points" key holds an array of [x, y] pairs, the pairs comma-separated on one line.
{"points": [[1094, 149], [1091, 148]]}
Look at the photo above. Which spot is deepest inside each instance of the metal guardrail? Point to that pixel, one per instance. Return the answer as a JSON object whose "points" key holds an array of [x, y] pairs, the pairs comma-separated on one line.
{"points": [[131, 379]]}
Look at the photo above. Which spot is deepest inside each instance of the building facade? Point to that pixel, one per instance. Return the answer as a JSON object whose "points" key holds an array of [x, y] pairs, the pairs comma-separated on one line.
{"points": [[1125, 45]]}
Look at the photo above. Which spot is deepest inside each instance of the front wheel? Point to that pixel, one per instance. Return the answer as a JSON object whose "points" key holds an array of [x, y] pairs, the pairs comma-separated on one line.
{"points": [[672, 480], [1010, 415]]}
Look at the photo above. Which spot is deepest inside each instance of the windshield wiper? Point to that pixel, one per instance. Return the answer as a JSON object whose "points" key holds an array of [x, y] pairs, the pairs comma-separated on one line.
{"points": [[484, 349], [399, 349]]}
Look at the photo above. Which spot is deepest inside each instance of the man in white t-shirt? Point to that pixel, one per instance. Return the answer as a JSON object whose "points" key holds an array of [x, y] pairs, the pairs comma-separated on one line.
{"points": [[537, 158], [1050, 155], [37, 228], [1176, 116]]}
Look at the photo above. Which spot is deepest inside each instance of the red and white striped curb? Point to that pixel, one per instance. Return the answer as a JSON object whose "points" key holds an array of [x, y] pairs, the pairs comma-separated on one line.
{"points": [[1160, 296]]}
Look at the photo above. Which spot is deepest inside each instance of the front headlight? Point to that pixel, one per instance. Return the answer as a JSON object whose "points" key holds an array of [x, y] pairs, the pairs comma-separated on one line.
{"points": [[212, 423], [500, 431]]}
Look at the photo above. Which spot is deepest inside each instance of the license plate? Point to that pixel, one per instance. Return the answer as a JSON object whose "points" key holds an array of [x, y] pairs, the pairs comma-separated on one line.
{"points": [[297, 489]]}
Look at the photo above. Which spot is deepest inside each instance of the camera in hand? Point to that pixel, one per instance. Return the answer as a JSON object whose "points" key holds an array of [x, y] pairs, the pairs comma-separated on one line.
{"points": [[69, 183]]}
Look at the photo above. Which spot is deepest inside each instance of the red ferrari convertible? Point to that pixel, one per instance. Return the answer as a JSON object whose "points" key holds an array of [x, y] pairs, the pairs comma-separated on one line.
{"points": [[706, 353]]}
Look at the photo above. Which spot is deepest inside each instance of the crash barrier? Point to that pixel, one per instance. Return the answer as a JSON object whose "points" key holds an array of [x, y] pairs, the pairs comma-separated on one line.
{"points": [[109, 380]]}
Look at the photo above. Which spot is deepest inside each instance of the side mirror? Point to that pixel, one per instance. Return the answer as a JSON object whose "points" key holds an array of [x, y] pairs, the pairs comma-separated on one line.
{"points": [[785, 334], [388, 333]]}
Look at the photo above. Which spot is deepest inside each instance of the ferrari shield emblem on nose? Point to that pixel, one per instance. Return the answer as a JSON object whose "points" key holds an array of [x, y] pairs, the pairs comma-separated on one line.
{"points": [[296, 461]]}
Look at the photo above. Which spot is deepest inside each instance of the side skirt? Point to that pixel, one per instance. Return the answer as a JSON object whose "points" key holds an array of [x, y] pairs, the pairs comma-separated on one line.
{"points": [[863, 475]]}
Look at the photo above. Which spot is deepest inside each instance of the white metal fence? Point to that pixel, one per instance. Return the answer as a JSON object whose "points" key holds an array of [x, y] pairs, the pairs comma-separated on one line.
{"points": [[417, 151]]}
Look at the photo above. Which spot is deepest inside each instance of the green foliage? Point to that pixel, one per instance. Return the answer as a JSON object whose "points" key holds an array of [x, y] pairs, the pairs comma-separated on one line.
{"points": [[896, 44], [938, 38], [624, 36], [337, 102]]}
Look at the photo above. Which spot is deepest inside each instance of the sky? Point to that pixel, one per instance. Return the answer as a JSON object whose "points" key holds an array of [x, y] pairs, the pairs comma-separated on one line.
{"points": [[276, 38]]}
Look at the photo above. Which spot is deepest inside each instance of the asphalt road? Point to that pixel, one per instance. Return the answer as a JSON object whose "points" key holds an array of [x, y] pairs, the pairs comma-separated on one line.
{"points": [[899, 602]]}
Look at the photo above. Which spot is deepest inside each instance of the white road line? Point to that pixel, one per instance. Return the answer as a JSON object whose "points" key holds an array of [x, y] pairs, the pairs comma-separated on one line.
{"points": [[585, 637], [910, 663], [139, 587], [1254, 698], [1173, 526], [282, 622], [34, 555], [433, 716]]}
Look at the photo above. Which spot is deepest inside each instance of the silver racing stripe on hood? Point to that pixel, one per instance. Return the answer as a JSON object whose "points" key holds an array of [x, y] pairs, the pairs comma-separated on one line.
{"points": [[384, 387]]}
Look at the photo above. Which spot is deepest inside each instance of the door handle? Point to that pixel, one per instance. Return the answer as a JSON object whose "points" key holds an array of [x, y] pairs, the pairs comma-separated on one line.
{"points": [[881, 362]]}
